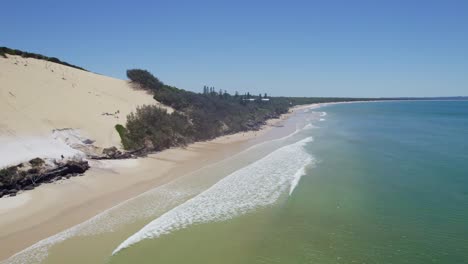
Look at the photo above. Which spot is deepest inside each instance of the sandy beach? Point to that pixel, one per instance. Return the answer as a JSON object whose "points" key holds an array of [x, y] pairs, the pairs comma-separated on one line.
{"points": [[34, 215], [51, 208], [91, 105]]}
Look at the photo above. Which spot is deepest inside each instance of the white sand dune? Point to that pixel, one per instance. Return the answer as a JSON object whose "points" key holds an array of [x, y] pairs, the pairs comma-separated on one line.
{"points": [[37, 96]]}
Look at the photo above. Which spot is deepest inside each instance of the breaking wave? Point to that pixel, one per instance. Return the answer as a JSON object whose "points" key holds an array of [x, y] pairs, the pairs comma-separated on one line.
{"points": [[257, 185], [297, 177]]}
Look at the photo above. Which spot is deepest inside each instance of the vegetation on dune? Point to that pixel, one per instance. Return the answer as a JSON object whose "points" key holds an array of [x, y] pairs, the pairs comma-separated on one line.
{"points": [[123, 136], [153, 128], [144, 79], [9, 176], [37, 162], [218, 113], [199, 116], [4, 51]]}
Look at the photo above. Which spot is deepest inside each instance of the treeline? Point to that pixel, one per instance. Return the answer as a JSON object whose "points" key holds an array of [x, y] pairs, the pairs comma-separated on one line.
{"points": [[197, 117], [24, 54], [317, 100]]}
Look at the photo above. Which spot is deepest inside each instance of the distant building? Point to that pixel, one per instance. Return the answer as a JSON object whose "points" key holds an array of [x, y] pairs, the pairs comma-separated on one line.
{"points": [[256, 99]]}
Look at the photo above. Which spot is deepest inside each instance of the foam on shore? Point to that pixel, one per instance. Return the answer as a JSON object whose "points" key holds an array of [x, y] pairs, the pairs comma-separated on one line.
{"points": [[257, 185]]}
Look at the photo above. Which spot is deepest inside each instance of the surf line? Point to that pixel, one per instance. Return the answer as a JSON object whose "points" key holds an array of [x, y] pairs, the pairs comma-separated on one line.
{"points": [[257, 185]]}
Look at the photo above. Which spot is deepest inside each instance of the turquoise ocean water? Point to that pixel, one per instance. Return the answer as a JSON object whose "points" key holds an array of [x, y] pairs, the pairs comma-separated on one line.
{"points": [[388, 184], [356, 183]]}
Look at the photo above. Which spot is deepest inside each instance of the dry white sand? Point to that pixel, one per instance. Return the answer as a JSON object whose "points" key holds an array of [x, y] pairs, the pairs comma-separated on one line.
{"points": [[37, 96]]}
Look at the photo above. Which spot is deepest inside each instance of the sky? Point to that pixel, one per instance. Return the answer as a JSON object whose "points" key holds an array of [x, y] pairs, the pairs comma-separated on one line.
{"points": [[291, 48]]}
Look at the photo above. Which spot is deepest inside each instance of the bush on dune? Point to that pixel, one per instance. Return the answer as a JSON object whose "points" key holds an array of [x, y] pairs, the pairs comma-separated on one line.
{"points": [[153, 128], [4, 51], [144, 79]]}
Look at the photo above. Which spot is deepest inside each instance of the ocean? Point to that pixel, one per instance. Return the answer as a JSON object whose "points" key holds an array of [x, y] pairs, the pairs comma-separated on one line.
{"points": [[382, 182]]}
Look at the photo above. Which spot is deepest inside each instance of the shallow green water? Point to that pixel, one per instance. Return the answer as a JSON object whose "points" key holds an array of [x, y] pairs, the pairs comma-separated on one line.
{"points": [[390, 185]]}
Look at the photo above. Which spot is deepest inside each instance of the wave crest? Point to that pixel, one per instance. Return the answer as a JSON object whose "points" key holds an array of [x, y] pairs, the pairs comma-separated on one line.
{"points": [[256, 185]]}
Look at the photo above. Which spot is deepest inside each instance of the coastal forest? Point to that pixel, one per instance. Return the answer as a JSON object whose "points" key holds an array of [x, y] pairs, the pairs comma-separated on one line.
{"points": [[198, 116]]}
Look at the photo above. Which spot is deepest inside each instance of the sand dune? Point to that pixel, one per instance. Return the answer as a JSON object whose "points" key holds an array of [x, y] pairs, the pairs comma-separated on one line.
{"points": [[37, 97]]}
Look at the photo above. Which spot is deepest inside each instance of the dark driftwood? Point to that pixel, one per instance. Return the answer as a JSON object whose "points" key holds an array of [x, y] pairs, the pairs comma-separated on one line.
{"points": [[32, 178], [115, 154]]}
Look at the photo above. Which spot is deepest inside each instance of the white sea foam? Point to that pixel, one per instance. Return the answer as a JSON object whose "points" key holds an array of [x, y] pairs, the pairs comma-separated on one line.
{"points": [[297, 131], [309, 126], [297, 177], [256, 185], [322, 114]]}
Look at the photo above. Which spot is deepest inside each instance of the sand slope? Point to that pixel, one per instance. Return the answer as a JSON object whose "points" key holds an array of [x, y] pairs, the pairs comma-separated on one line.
{"points": [[37, 96]]}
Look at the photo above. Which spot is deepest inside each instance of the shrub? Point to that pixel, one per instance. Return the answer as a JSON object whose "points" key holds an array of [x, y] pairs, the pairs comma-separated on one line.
{"points": [[123, 136], [37, 162], [144, 79], [153, 128], [9, 176]]}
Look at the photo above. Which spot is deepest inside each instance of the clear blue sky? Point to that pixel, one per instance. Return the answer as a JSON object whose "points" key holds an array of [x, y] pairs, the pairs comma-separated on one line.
{"points": [[300, 48]]}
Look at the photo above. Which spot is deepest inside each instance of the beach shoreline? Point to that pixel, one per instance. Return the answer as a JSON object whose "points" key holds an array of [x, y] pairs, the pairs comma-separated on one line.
{"points": [[51, 208]]}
